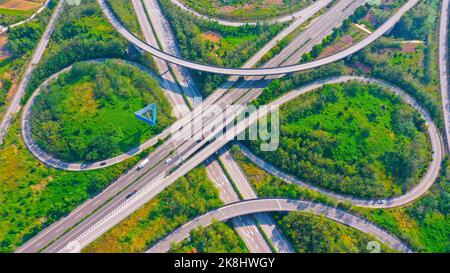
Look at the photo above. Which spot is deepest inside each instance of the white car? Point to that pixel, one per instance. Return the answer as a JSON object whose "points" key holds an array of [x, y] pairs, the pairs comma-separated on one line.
{"points": [[168, 161]]}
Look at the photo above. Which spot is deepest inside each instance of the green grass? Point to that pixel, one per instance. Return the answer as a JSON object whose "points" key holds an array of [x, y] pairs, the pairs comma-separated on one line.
{"points": [[424, 225], [353, 138], [245, 10], [267, 185], [417, 73], [88, 113], [317, 234], [16, 12], [217, 238], [124, 11], [81, 33], [33, 196], [190, 196], [208, 42], [21, 42]]}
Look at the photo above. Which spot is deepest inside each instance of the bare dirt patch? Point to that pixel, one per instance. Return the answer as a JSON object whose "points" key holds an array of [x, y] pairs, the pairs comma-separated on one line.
{"points": [[227, 9], [345, 42], [409, 48], [42, 184], [212, 36]]}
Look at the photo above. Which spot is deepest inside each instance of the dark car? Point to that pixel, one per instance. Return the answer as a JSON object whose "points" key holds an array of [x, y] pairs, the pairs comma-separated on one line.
{"points": [[131, 193]]}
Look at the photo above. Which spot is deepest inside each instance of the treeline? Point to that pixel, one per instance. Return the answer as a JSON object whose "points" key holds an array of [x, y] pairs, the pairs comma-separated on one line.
{"points": [[399, 77], [21, 42], [256, 9], [190, 196], [9, 17], [316, 234], [96, 131], [188, 30], [217, 238], [337, 33], [6, 85], [421, 23], [24, 38], [335, 139], [81, 33], [432, 214], [280, 86], [124, 11]]}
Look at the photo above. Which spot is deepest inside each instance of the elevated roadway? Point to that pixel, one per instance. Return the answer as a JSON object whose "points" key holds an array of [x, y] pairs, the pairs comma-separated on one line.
{"points": [[389, 24], [279, 205], [94, 226], [246, 191], [245, 226], [167, 83], [148, 179], [135, 176]]}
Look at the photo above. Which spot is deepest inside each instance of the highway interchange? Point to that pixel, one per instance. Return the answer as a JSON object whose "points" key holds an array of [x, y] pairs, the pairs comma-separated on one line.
{"points": [[100, 213], [244, 225], [257, 71], [277, 205]]}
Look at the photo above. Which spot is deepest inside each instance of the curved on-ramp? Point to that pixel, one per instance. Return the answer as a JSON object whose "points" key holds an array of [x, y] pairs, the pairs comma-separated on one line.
{"points": [[255, 71], [236, 23], [54, 162], [122, 208], [279, 205], [425, 183]]}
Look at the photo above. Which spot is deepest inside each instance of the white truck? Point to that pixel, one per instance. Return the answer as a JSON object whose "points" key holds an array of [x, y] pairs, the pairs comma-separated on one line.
{"points": [[143, 163]]}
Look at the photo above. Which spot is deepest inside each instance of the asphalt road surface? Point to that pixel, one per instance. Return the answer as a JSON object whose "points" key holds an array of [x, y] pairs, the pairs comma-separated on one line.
{"points": [[245, 226], [127, 180], [14, 106], [101, 223], [257, 71], [279, 205], [265, 220], [443, 69], [172, 90], [151, 178], [171, 87], [280, 19]]}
